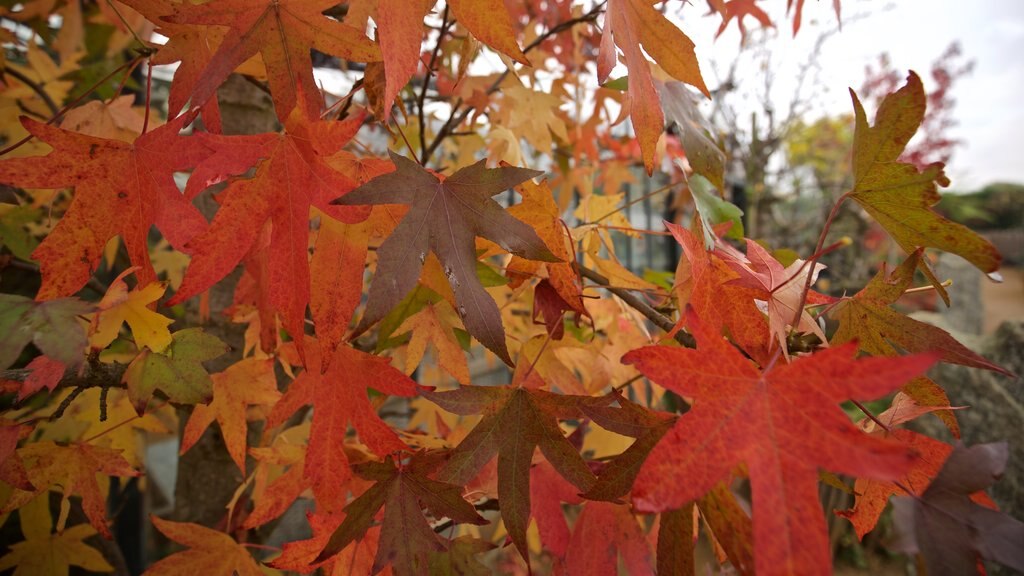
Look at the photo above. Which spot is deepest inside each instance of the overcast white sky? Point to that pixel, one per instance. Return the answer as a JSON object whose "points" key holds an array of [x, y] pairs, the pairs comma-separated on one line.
{"points": [[914, 32]]}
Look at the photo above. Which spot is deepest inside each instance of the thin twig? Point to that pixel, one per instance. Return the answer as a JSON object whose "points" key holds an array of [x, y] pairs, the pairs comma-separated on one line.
{"points": [[36, 87], [445, 24], [459, 114], [73, 103]]}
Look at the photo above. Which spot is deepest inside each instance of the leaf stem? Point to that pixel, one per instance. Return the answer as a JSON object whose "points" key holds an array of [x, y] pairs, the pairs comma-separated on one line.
{"points": [[871, 416], [149, 91], [817, 249], [664, 188]]}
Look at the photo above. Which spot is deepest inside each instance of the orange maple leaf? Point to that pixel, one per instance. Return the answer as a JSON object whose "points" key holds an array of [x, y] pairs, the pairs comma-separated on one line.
{"points": [[210, 552], [338, 395], [633, 23], [245, 383]]}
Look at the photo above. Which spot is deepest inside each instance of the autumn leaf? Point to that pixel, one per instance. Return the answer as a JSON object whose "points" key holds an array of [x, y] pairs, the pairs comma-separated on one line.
{"points": [[738, 10], [406, 539], [948, 529], [283, 32], [116, 120], [898, 196], [533, 415], [602, 533], [633, 23], [44, 553], [445, 217], [695, 132], [489, 22], [177, 371], [401, 34], [209, 552], [705, 282], [132, 180], [246, 383], [339, 398], [52, 326], [780, 287], [119, 305], [294, 176], [539, 210], [74, 468], [782, 423], [45, 373], [867, 318], [357, 558], [427, 325]]}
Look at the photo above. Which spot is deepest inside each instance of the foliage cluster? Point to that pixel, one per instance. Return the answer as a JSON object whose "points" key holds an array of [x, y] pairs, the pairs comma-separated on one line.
{"points": [[282, 287]]}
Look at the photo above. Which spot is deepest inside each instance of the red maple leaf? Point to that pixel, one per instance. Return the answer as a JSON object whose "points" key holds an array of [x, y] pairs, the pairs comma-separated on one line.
{"points": [[294, 177], [134, 181], [282, 32], [705, 282], [338, 396], [783, 423]]}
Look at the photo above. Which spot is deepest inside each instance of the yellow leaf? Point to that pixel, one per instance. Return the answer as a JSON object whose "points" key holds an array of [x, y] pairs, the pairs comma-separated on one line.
{"points": [[43, 553], [120, 305]]}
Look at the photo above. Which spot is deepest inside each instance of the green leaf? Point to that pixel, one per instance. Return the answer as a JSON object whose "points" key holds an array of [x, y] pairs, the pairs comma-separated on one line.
{"points": [[13, 233], [177, 371], [620, 84], [713, 210], [52, 326]]}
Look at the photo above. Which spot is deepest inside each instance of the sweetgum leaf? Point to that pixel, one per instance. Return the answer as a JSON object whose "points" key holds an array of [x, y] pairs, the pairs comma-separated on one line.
{"points": [[52, 326], [783, 423], [283, 32], [338, 394], [47, 553], [630, 24], [294, 177], [867, 319], [898, 196], [177, 371], [445, 217], [948, 528], [132, 180], [515, 422], [406, 538], [209, 552], [73, 468]]}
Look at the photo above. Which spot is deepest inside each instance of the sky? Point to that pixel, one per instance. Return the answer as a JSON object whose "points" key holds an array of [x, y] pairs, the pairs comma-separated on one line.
{"points": [[914, 32]]}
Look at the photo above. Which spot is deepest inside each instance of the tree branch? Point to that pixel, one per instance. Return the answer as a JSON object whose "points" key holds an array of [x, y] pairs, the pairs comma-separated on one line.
{"points": [[457, 115], [659, 319]]}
